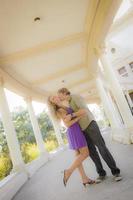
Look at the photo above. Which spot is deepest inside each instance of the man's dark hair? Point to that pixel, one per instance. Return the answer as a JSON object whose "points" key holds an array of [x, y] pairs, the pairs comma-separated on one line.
{"points": [[64, 91]]}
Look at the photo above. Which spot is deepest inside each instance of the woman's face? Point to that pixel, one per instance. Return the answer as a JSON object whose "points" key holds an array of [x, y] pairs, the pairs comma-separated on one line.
{"points": [[55, 100]]}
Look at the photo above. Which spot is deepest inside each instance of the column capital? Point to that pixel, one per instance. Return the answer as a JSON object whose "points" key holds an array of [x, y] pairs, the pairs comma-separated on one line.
{"points": [[28, 99], [99, 50]]}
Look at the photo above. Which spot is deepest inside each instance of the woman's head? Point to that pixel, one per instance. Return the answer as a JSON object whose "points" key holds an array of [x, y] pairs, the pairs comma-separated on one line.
{"points": [[53, 105], [54, 100]]}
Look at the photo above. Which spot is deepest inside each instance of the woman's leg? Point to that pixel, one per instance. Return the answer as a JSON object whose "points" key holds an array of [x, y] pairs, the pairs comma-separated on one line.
{"points": [[81, 170], [83, 154]]}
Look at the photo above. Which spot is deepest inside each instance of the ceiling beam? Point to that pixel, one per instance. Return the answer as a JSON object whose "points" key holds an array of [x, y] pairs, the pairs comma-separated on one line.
{"points": [[103, 18], [89, 21], [44, 47], [94, 99], [76, 83], [59, 74], [22, 89], [82, 91], [90, 15], [91, 85]]}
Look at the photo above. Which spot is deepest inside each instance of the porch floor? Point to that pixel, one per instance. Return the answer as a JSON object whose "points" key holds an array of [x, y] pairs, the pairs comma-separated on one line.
{"points": [[47, 182]]}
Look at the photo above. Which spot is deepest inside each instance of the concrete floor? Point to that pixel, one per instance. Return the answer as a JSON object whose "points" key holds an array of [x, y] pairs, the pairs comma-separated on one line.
{"points": [[46, 184]]}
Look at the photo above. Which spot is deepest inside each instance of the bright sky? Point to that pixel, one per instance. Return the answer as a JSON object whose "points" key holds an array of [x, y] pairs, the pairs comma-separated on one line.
{"points": [[94, 108], [15, 100]]}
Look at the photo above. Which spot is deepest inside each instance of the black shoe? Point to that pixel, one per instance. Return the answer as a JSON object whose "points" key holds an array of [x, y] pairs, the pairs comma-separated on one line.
{"points": [[100, 179], [117, 177]]}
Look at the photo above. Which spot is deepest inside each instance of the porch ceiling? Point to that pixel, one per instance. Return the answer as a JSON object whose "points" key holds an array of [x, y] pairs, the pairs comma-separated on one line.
{"points": [[58, 50]]}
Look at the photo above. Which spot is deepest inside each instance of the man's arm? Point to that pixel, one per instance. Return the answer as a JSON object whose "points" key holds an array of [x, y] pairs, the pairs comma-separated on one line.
{"points": [[79, 113], [67, 118]]}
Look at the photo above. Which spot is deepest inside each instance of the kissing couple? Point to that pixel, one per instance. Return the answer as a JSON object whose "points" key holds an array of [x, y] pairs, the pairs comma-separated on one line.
{"points": [[83, 136]]}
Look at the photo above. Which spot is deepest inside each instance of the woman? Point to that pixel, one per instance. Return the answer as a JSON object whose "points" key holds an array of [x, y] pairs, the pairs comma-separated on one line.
{"points": [[75, 136]]}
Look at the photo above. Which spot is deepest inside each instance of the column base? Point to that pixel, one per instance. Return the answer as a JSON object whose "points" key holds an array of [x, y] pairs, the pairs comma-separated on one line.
{"points": [[121, 135], [62, 146], [44, 156], [20, 168], [131, 134]]}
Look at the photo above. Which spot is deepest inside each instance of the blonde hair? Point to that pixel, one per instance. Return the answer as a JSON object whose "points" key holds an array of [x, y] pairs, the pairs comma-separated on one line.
{"points": [[53, 109], [64, 91]]}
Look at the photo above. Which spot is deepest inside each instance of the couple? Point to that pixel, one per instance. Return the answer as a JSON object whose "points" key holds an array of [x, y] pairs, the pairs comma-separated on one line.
{"points": [[83, 136]]}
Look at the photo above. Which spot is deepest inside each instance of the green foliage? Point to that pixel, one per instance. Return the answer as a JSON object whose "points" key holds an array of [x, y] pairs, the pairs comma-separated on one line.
{"points": [[45, 125], [23, 126], [5, 166], [64, 135], [25, 135], [29, 152], [51, 145]]}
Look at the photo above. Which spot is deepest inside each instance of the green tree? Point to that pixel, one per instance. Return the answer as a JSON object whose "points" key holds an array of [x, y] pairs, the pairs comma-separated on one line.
{"points": [[23, 125], [25, 135], [45, 125]]}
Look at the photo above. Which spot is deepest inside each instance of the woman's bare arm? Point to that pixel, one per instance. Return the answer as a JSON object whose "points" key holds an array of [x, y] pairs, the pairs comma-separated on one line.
{"points": [[71, 122], [79, 113], [67, 118]]}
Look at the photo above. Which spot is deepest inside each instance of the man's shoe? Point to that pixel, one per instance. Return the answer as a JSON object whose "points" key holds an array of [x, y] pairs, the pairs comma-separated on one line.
{"points": [[117, 177], [100, 179]]}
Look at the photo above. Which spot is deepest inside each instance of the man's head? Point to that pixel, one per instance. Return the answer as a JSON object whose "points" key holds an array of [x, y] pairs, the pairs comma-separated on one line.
{"points": [[64, 94]]}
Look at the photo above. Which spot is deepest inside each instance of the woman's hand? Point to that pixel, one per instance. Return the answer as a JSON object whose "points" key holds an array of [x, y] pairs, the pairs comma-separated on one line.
{"points": [[68, 117]]}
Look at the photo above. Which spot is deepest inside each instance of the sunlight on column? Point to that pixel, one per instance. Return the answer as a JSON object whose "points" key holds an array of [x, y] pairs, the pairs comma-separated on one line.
{"points": [[45, 126], [126, 4], [99, 115], [23, 127], [14, 100]]}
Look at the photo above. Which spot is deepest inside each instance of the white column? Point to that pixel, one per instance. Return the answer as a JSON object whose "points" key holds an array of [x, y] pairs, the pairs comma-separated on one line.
{"points": [[109, 109], [58, 132], [36, 129], [56, 126], [115, 109], [119, 97], [12, 141]]}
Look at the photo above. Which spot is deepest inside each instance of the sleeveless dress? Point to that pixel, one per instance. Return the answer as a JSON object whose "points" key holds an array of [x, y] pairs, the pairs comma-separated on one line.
{"points": [[75, 136]]}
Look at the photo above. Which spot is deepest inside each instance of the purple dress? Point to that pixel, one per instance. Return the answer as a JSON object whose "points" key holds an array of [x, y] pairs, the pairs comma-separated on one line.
{"points": [[75, 136]]}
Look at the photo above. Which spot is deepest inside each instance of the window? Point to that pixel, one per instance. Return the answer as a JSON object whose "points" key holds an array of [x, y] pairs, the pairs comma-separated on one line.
{"points": [[131, 66], [123, 72]]}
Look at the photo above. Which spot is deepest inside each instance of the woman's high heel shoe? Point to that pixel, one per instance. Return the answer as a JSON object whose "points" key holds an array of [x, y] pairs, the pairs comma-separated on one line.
{"points": [[64, 179], [90, 182]]}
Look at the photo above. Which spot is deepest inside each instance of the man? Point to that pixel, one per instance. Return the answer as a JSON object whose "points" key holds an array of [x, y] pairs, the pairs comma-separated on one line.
{"points": [[93, 136]]}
